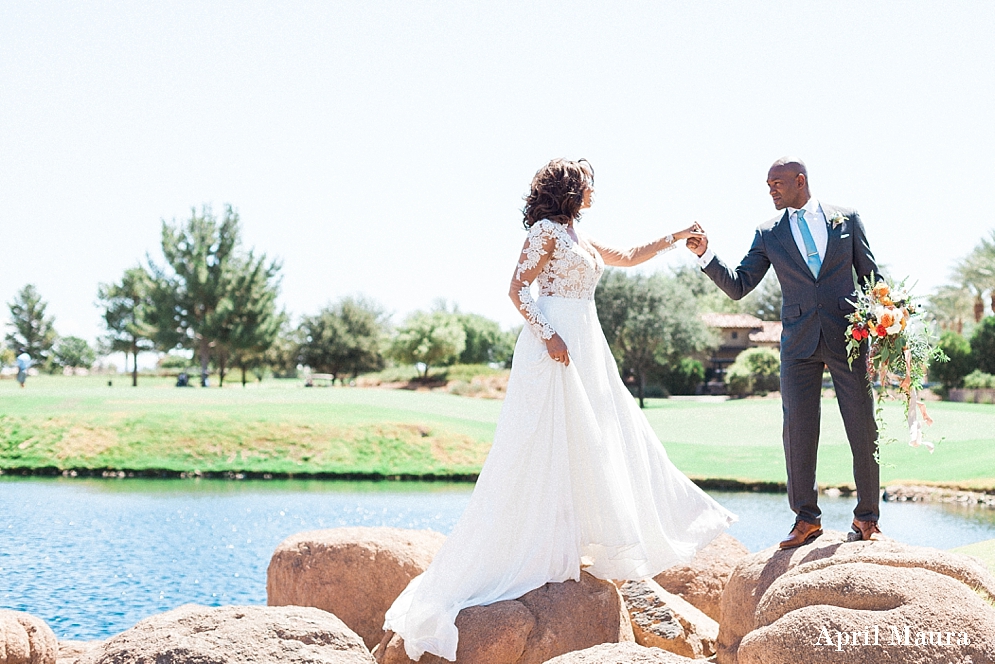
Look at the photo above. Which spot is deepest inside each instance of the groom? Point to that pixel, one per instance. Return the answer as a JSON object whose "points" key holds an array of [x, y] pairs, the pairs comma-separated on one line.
{"points": [[818, 251]]}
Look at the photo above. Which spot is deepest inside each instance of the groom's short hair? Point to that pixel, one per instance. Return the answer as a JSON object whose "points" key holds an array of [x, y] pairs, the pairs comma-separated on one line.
{"points": [[793, 163]]}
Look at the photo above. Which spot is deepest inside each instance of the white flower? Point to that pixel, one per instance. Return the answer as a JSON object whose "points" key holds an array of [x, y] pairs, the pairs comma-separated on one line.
{"points": [[838, 219]]}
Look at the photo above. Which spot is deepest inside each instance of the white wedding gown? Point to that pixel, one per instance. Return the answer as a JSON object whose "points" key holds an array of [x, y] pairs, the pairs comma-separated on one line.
{"points": [[575, 471]]}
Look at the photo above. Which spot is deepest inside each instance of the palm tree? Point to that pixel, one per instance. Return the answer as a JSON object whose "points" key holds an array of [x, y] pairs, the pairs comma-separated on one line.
{"points": [[951, 305], [976, 272]]}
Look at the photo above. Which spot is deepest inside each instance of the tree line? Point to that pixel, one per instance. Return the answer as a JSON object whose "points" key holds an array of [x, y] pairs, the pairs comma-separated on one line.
{"points": [[967, 333], [218, 301]]}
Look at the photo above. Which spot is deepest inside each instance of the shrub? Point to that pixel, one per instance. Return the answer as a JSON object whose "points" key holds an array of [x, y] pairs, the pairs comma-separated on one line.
{"points": [[957, 348], [755, 371], [983, 345], [429, 339], [978, 379], [684, 378]]}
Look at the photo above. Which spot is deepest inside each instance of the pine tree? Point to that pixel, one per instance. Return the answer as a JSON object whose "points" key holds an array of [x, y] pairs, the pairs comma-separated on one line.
{"points": [[33, 331], [128, 314], [248, 321], [188, 293]]}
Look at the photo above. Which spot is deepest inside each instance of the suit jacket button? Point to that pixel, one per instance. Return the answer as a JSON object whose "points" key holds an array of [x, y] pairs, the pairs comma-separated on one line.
{"points": [[820, 306]]}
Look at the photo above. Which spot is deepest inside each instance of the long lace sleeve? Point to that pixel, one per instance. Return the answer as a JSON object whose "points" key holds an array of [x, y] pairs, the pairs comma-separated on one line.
{"points": [[633, 255], [536, 252]]}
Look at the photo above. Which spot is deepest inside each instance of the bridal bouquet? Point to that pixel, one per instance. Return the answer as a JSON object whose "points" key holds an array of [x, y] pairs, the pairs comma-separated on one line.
{"points": [[900, 348]]}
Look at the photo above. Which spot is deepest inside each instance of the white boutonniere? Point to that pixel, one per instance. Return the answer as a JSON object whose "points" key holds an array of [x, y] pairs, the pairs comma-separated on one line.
{"points": [[837, 219]]}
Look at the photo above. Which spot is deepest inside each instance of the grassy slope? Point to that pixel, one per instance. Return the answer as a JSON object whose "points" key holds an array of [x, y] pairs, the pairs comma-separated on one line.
{"points": [[984, 550], [279, 427]]}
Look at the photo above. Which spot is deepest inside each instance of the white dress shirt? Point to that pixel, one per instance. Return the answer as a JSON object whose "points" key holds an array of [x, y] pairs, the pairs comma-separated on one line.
{"points": [[817, 226]]}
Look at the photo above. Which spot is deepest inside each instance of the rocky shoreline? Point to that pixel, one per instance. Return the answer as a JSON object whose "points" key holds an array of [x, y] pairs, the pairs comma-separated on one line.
{"points": [[832, 600]]}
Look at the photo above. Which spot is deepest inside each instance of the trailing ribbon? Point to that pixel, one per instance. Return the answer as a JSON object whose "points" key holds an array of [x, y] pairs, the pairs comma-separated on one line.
{"points": [[916, 409]]}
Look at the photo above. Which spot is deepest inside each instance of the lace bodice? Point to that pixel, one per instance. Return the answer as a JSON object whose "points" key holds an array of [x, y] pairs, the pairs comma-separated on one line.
{"points": [[564, 267], [572, 270]]}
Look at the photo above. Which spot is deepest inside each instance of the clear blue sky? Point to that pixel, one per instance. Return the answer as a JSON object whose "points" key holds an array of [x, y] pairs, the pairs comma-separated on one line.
{"points": [[383, 147]]}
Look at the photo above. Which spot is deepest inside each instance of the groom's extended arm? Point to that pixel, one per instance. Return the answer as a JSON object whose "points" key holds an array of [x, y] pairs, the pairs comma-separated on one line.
{"points": [[747, 275]]}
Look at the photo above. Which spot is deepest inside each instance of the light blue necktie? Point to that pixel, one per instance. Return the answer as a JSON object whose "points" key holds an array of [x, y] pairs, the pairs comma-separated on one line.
{"points": [[812, 254]]}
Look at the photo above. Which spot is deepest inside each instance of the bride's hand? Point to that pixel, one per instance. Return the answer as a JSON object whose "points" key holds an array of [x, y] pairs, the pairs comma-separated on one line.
{"points": [[694, 230], [557, 349]]}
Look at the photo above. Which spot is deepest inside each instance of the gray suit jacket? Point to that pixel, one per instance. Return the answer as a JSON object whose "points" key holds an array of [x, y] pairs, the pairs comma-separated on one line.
{"points": [[811, 307]]}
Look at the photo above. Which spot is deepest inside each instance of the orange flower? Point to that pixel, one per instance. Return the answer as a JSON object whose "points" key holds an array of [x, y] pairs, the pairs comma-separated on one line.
{"points": [[881, 289], [887, 319]]}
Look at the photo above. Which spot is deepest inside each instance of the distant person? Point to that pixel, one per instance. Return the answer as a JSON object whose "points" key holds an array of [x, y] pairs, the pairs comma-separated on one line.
{"points": [[23, 364]]}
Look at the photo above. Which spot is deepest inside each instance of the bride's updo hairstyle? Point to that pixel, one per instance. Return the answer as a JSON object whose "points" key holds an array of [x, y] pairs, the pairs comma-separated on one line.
{"points": [[558, 191]]}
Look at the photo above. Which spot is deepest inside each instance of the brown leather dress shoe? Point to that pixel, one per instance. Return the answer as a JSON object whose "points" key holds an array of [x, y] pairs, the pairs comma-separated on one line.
{"points": [[868, 530], [802, 533]]}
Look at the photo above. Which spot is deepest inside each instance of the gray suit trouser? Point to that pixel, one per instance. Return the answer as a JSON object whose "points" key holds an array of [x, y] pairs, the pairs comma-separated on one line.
{"points": [[801, 398]]}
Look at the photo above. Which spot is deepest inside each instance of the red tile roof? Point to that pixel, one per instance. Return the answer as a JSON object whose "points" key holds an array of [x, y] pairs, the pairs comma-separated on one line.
{"points": [[771, 333], [733, 321]]}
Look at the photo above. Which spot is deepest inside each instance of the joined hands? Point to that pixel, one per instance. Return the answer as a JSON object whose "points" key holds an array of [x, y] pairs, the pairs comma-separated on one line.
{"points": [[697, 240]]}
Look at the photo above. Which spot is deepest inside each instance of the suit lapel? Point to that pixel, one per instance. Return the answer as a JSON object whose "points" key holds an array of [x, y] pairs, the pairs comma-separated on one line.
{"points": [[832, 244], [782, 231]]}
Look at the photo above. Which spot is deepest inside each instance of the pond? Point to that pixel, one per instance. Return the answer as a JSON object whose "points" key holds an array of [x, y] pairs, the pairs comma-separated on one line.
{"points": [[93, 557]]}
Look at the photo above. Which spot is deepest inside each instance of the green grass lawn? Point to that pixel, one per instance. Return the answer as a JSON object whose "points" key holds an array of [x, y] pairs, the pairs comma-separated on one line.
{"points": [[280, 427], [742, 439], [984, 550]]}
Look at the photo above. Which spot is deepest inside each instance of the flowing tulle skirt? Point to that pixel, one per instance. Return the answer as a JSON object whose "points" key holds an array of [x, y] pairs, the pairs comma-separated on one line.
{"points": [[575, 471]]}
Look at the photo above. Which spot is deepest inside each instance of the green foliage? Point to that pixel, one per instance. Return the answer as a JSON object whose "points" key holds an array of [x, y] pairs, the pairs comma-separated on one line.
{"points": [[32, 329], [957, 348], [649, 322], [486, 342], [951, 306], [283, 355], [764, 302], [983, 345], [978, 379], [74, 353], [211, 298], [172, 361], [248, 319], [128, 314], [684, 377], [430, 339], [7, 357], [976, 273], [344, 339], [755, 371]]}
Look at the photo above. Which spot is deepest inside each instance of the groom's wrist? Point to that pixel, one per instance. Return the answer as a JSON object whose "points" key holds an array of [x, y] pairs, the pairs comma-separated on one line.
{"points": [[706, 258]]}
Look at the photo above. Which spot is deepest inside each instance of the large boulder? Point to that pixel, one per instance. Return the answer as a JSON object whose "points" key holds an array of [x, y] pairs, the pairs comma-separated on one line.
{"points": [[25, 639], [865, 613], [761, 594], [664, 620], [355, 573], [234, 635], [702, 581], [621, 653], [548, 621]]}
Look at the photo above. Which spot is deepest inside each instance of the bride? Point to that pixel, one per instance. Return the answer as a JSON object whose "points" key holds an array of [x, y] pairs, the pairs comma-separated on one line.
{"points": [[575, 476]]}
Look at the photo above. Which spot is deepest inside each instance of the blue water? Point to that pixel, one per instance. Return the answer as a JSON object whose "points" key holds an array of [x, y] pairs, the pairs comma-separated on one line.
{"points": [[93, 557]]}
